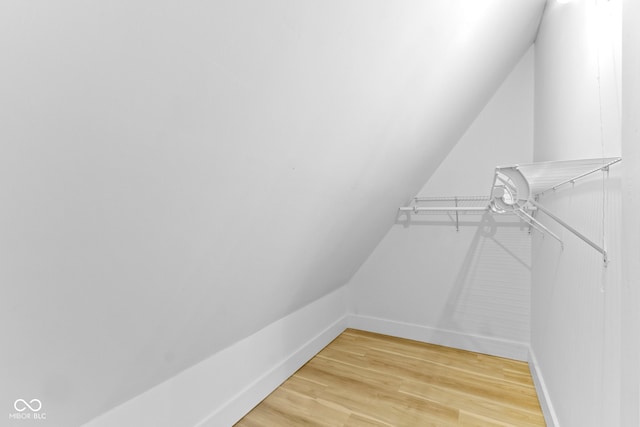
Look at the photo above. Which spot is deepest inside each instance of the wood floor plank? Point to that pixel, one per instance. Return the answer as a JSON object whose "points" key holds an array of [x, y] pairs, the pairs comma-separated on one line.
{"points": [[366, 379], [475, 404]]}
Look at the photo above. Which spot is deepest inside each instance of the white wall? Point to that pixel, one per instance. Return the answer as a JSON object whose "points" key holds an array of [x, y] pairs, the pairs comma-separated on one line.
{"points": [[630, 395], [575, 310], [470, 288], [176, 176], [222, 388]]}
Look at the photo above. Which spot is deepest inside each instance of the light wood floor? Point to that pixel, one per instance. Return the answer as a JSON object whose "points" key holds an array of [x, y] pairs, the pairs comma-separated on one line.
{"points": [[365, 379]]}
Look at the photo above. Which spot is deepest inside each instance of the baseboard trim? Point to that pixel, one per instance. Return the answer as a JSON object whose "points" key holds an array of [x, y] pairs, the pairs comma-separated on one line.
{"points": [[478, 343], [223, 388], [548, 411], [240, 404]]}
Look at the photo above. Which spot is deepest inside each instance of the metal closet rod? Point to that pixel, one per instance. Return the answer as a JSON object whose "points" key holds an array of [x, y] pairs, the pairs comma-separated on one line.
{"points": [[537, 225], [444, 209], [455, 208], [452, 199]]}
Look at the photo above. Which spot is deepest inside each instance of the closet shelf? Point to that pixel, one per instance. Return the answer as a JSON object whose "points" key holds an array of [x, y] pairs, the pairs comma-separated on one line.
{"points": [[516, 190]]}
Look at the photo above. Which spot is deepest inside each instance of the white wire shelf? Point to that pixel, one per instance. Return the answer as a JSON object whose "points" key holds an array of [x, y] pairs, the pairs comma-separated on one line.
{"points": [[448, 204], [516, 190]]}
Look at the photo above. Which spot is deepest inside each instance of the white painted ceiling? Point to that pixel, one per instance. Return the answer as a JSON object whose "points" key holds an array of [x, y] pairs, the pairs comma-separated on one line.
{"points": [[176, 175]]}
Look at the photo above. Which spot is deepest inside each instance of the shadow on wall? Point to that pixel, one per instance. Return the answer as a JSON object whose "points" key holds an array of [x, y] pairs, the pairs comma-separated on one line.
{"points": [[487, 229], [490, 294]]}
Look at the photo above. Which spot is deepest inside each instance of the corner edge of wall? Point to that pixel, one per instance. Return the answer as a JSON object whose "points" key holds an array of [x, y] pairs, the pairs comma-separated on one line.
{"points": [[544, 398], [471, 342]]}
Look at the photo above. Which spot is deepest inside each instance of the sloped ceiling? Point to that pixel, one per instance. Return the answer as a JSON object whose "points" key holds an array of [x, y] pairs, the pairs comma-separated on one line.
{"points": [[176, 175]]}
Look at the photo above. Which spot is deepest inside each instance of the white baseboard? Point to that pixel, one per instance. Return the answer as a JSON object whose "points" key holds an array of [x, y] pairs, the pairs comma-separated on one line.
{"points": [[549, 413], [481, 344], [223, 388], [478, 343], [240, 404]]}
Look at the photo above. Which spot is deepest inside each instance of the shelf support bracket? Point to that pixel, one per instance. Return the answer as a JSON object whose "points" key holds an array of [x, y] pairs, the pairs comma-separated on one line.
{"points": [[457, 222], [581, 236]]}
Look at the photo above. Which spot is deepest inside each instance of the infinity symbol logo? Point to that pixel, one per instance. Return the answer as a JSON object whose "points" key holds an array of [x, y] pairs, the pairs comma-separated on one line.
{"points": [[21, 405]]}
